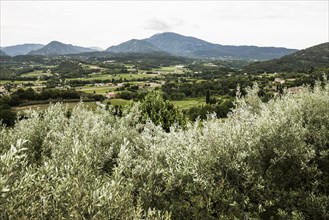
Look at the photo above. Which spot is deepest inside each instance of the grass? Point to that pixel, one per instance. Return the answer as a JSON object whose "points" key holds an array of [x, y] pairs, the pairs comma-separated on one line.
{"points": [[98, 89], [168, 69], [164, 69], [189, 103], [135, 76], [35, 73], [120, 102], [182, 104], [90, 66], [126, 76], [2, 82], [42, 107], [93, 77]]}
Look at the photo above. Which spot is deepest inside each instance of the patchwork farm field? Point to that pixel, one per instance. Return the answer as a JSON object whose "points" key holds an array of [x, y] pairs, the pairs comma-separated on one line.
{"points": [[96, 89], [188, 103], [43, 107], [35, 73], [123, 76]]}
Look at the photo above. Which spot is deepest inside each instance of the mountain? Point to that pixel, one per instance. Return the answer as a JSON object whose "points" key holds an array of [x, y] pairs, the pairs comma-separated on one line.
{"points": [[133, 46], [21, 49], [3, 54], [185, 46], [180, 45], [58, 48], [300, 61]]}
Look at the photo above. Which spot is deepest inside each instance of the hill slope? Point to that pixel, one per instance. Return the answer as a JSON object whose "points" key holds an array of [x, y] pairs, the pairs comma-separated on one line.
{"points": [[58, 48], [196, 48], [192, 47], [3, 54], [21, 49], [300, 61], [133, 46]]}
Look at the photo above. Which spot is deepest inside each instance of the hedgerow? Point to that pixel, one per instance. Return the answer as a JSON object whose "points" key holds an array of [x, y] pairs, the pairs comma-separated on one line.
{"points": [[265, 161]]}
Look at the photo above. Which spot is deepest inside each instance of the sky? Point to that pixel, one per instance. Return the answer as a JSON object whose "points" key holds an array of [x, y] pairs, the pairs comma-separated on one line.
{"points": [[292, 24]]}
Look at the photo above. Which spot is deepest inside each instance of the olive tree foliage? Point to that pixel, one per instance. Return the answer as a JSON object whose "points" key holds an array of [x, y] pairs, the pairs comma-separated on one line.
{"points": [[266, 161]]}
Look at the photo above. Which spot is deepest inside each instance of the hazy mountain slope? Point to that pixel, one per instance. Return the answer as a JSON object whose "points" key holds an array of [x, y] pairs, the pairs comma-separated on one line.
{"points": [[3, 53], [303, 60], [178, 44], [175, 44], [193, 47], [133, 46], [21, 49], [58, 48]]}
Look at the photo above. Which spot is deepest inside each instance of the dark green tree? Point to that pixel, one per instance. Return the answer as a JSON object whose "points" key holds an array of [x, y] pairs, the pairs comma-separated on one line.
{"points": [[7, 116], [208, 97], [161, 112]]}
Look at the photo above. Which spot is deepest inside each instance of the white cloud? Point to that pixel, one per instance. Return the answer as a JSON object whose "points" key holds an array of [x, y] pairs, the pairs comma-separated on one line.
{"points": [[157, 25], [164, 25]]}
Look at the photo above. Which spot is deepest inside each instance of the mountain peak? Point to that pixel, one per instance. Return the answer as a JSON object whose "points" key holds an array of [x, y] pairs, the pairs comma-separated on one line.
{"points": [[133, 46], [54, 42], [168, 33], [187, 46], [59, 48]]}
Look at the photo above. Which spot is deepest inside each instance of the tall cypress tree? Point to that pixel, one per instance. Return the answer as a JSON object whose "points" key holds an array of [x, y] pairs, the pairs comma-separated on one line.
{"points": [[208, 97]]}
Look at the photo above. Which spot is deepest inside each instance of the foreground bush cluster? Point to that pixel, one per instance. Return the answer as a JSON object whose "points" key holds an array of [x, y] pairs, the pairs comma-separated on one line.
{"points": [[266, 161]]}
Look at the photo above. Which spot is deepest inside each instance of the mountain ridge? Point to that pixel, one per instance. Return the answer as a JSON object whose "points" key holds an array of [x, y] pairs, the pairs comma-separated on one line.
{"points": [[303, 60], [172, 43], [192, 47], [133, 46], [21, 49], [59, 48], [3, 54]]}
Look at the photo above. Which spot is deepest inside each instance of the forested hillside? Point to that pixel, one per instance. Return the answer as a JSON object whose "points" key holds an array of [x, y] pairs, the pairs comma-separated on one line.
{"points": [[265, 161], [3, 54], [301, 61]]}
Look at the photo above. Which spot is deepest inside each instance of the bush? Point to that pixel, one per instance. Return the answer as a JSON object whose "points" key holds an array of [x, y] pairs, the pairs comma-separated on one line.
{"points": [[266, 161], [161, 112], [7, 116]]}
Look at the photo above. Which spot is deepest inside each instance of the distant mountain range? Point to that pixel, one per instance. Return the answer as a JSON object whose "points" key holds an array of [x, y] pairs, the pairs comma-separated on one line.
{"points": [[58, 48], [192, 47], [3, 53], [168, 42], [21, 49], [312, 57]]}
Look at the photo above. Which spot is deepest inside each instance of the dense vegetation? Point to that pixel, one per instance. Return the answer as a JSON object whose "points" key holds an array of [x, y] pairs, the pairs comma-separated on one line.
{"points": [[70, 69], [302, 61], [266, 161]]}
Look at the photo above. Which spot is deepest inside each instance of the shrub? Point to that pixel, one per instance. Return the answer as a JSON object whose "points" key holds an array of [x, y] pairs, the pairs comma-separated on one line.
{"points": [[161, 112], [266, 161]]}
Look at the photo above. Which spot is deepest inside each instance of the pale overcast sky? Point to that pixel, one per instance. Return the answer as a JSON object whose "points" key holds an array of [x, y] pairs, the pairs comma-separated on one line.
{"points": [[292, 24]]}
